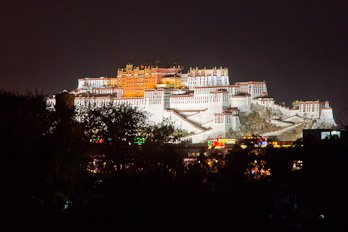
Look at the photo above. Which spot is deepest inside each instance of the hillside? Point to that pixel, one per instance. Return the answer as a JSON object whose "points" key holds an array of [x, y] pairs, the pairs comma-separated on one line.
{"points": [[272, 123]]}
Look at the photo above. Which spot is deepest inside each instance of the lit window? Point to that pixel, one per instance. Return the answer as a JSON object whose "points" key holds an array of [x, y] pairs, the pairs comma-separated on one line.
{"points": [[325, 135], [336, 134]]}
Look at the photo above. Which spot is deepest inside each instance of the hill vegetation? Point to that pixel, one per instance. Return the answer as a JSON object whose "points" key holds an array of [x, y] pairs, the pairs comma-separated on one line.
{"points": [[259, 121]]}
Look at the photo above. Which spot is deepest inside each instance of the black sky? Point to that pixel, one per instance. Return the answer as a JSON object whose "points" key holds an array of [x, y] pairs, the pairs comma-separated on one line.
{"points": [[299, 47]]}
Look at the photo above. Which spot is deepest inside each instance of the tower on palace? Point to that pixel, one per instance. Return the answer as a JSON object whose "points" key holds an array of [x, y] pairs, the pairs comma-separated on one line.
{"points": [[134, 80]]}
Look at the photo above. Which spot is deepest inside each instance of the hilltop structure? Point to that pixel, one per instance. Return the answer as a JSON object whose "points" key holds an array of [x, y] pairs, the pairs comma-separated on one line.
{"points": [[201, 102]]}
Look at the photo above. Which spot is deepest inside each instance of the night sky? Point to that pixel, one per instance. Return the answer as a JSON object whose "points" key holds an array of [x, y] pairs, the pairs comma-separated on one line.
{"points": [[299, 47]]}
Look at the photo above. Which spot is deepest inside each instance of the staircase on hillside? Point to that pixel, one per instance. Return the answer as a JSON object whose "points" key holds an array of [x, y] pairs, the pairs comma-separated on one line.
{"points": [[281, 131], [183, 117]]}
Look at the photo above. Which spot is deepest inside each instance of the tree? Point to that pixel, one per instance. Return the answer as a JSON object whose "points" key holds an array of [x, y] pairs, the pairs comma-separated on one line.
{"points": [[295, 104], [120, 124], [68, 146], [159, 146], [42, 155], [237, 161], [23, 122]]}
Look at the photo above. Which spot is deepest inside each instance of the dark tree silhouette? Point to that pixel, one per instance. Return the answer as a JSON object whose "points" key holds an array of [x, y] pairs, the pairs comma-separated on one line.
{"points": [[24, 123], [159, 148], [42, 156], [119, 123]]}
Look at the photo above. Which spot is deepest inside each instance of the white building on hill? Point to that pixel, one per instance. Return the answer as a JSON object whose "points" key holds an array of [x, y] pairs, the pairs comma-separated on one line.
{"points": [[201, 102]]}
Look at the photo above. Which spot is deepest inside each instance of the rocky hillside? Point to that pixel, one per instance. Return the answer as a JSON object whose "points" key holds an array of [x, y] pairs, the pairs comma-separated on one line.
{"points": [[258, 121], [271, 123]]}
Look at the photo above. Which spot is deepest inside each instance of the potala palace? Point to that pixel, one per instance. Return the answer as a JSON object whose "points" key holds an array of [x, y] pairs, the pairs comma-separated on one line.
{"points": [[201, 102]]}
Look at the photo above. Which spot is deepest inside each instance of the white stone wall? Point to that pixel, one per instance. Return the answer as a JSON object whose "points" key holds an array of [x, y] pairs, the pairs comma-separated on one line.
{"points": [[180, 122], [235, 123], [155, 104], [208, 124], [327, 116], [280, 123], [201, 117], [243, 103], [189, 102], [223, 123], [285, 111], [189, 113], [265, 102]]}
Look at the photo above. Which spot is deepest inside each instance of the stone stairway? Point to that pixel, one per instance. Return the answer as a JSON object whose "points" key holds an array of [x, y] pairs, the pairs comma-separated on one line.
{"points": [[281, 131], [183, 117]]}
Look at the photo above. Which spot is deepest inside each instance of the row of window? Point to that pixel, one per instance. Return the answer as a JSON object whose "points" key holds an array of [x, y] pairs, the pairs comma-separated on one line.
{"points": [[220, 119], [207, 82], [309, 107], [232, 90], [192, 100], [258, 89], [200, 74], [104, 91], [97, 82]]}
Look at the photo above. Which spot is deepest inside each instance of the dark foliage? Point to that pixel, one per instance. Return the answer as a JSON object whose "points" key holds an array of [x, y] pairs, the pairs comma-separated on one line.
{"points": [[45, 154]]}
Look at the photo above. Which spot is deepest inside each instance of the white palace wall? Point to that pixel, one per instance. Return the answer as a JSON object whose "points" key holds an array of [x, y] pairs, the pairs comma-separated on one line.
{"points": [[243, 103], [180, 123], [327, 116], [265, 102], [202, 117]]}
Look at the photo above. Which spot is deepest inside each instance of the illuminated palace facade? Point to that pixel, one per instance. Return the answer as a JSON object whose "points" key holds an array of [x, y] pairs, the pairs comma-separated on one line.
{"points": [[201, 102]]}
